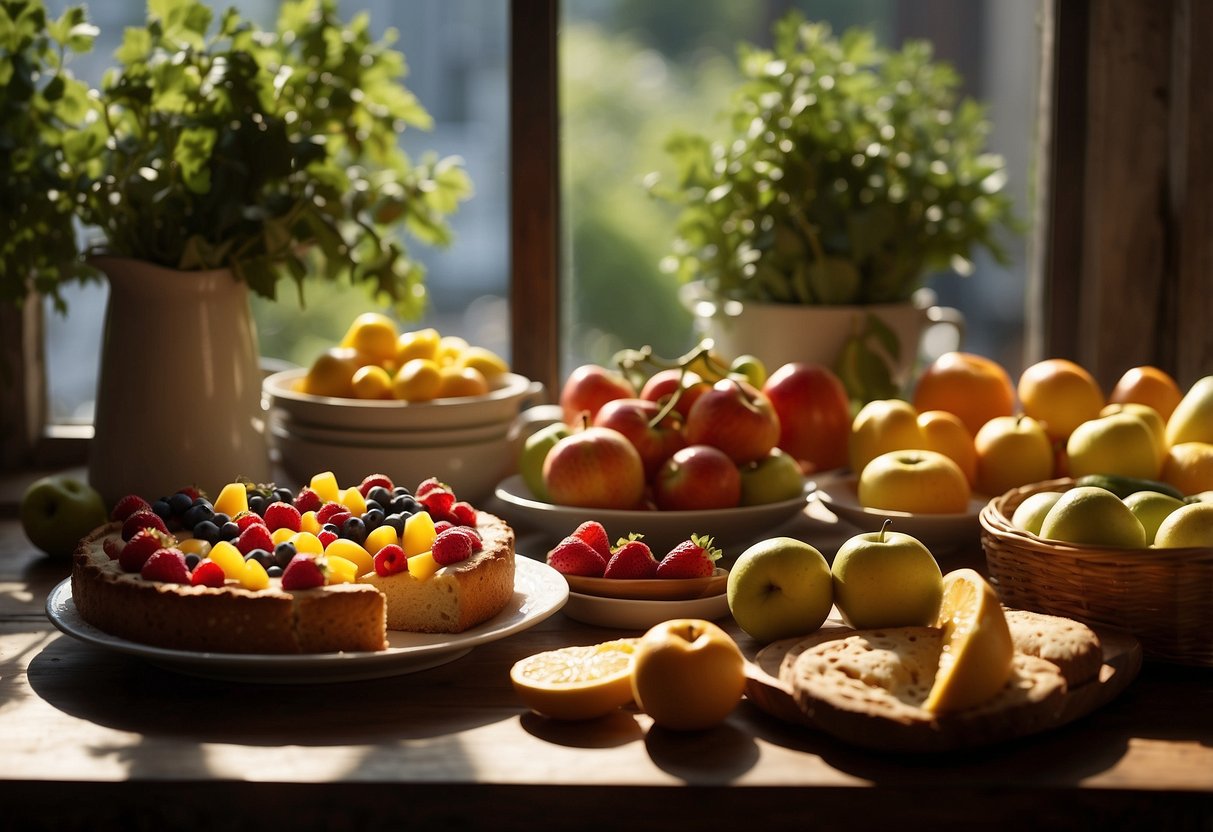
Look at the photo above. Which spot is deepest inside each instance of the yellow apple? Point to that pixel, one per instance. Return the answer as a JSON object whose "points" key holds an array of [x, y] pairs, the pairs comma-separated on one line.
{"points": [[881, 426], [886, 579], [687, 674], [916, 481], [1012, 451], [1191, 525], [1151, 508], [780, 588], [1119, 444], [1188, 466], [946, 433], [1095, 516], [1192, 419], [1030, 514], [1155, 422]]}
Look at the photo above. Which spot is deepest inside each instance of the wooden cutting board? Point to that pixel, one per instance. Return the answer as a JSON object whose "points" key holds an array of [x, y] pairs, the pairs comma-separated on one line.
{"points": [[1122, 657]]}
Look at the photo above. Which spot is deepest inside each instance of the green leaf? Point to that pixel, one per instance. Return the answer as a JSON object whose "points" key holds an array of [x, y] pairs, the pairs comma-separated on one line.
{"points": [[192, 154]]}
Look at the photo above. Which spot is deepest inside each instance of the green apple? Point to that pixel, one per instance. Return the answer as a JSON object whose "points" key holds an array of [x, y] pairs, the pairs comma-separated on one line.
{"points": [[57, 511], [534, 452], [779, 588], [772, 479], [886, 579], [1191, 525], [1030, 514], [751, 368], [1151, 508], [1091, 515]]}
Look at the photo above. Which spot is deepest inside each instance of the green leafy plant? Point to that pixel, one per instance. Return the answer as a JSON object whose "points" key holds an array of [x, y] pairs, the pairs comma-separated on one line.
{"points": [[40, 100], [218, 144], [851, 173]]}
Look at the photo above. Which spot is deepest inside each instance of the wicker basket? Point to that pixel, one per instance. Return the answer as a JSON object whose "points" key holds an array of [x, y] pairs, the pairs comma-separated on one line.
{"points": [[1163, 596]]}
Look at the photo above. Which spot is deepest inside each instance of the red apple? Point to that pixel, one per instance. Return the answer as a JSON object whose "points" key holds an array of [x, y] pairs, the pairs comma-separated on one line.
{"points": [[697, 477], [588, 388], [634, 419], [736, 418], [594, 468], [664, 383], [814, 414]]}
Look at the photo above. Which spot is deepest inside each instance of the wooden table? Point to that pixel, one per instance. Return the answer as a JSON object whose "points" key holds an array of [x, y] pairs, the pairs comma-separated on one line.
{"points": [[96, 740]]}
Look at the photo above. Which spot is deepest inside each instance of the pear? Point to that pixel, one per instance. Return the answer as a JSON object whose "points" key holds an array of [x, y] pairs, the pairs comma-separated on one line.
{"points": [[1192, 420]]}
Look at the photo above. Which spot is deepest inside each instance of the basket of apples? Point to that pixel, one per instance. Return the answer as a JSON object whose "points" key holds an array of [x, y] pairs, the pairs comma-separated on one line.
{"points": [[672, 446]]}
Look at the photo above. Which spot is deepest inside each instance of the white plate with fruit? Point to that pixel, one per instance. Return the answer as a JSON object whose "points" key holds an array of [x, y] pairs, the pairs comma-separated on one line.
{"points": [[539, 591], [661, 529], [938, 531]]}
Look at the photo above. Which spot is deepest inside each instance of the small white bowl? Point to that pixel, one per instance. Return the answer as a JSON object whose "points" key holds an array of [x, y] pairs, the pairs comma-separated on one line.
{"points": [[510, 394], [630, 614], [424, 438], [471, 468]]}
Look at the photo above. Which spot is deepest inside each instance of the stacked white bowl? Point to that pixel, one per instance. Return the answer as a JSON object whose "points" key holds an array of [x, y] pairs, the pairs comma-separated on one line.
{"points": [[470, 443]]}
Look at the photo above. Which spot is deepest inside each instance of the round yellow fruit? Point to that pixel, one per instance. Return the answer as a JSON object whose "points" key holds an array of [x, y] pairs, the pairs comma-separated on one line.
{"points": [[1093, 516], [458, 382], [1119, 444], [1030, 514], [915, 481], [881, 426], [1151, 508], [1060, 394], [1189, 467], [418, 343], [1012, 451], [332, 373], [886, 579], [1189, 526], [371, 382], [417, 380], [373, 334], [1155, 422], [946, 433], [580, 682], [688, 674], [490, 364]]}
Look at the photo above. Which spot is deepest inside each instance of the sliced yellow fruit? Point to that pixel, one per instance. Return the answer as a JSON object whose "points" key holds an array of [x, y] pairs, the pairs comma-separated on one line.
{"points": [[340, 570], [325, 486], [309, 523], [580, 682], [418, 534], [229, 559], [423, 566], [282, 535], [194, 546], [232, 500], [380, 537], [351, 551], [352, 499], [977, 649], [254, 576], [307, 543]]}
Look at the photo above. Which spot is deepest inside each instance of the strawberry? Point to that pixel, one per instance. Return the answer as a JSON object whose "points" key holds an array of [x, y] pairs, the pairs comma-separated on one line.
{"points": [[455, 544], [142, 545], [372, 480], [145, 519], [389, 560], [167, 565], [307, 500], [208, 573], [128, 505], [463, 513], [326, 512], [694, 558], [248, 518], [281, 515], [255, 537], [573, 556], [304, 572], [326, 537], [631, 559], [592, 532]]}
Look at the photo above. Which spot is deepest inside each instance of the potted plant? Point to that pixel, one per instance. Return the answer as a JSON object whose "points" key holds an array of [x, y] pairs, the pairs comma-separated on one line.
{"points": [[217, 159], [850, 173]]}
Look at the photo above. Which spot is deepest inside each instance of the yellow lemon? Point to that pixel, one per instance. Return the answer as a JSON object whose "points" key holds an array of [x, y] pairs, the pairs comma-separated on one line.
{"points": [[417, 380], [332, 373], [490, 364], [418, 343], [580, 682], [457, 382], [977, 650], [371, 382], [374, 334], [450, 350]]}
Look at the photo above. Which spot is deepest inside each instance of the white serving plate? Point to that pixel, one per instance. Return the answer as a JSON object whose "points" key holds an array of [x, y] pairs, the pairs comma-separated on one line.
{"points": [[662, 530], [511, 393], [634, 614], [937, 531], [539, 591]]}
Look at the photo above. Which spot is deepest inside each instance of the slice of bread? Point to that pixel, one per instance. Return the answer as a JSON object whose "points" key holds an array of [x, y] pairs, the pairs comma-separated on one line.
{"points": [[868, 688], [1071, 645]]}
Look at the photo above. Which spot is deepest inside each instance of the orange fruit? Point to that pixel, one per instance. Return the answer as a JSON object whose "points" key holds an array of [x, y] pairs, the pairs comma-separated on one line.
{"points": [[1189, 467], [1061, 394], [944, 433], [971, 386], [1150, 386]]}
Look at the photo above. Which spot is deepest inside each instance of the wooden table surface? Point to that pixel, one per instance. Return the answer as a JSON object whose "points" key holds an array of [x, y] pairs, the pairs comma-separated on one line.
{"points": [[93, 739]]}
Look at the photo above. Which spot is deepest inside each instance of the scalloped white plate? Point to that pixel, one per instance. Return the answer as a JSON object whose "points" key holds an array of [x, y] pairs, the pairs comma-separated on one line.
{"points": [[539, 591]]}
